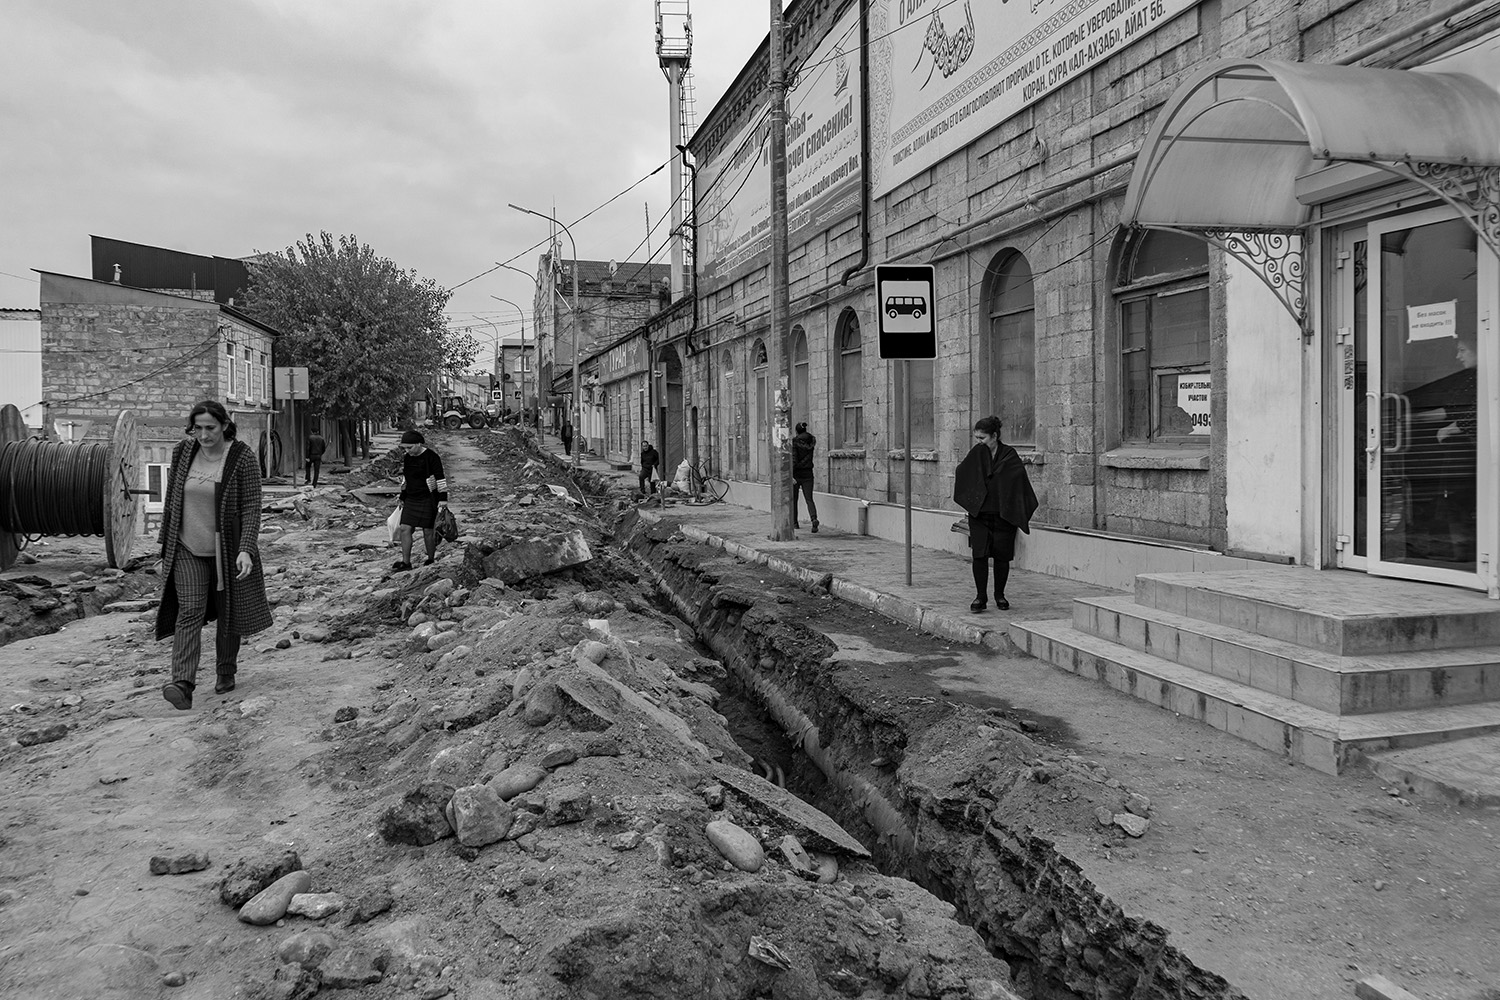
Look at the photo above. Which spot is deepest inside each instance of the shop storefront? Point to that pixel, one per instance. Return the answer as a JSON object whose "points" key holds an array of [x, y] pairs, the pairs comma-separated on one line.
{"points": [[1368, 201]]}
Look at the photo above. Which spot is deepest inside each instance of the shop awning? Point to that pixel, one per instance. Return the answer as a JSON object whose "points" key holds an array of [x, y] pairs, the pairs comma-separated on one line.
{"points": [[1227, 147]]}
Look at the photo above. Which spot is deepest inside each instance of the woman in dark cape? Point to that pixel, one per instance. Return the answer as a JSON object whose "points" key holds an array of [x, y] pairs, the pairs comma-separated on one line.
{"points": [[991, 484]]}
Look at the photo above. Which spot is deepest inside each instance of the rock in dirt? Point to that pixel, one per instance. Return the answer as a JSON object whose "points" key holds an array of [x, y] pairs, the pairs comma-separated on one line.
{"points": [[558, 755], [179, 864], [305, 948], [627, 841], [797, 858], [568, 804], [315, 905], [269, 905], [516, 779], [420, 817], [350, 966], [370, 904], [1132, 824], [736, 844], [1137, 803], [595, 603], [315, 634], [248, 877], [1105, 815], [346, 714], [50, 734], [479, 816]]}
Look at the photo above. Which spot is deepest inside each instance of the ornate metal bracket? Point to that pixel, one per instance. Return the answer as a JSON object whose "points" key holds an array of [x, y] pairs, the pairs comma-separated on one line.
{"points": [[1473, 191], [1277, 259]]}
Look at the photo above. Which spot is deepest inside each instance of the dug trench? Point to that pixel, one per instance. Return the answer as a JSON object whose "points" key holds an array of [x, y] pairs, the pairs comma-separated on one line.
{"points": [[957, 798]]}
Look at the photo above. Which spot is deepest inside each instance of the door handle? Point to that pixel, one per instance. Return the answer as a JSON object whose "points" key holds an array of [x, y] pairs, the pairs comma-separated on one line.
{"points": [[1372, 426], [1400, 423]]}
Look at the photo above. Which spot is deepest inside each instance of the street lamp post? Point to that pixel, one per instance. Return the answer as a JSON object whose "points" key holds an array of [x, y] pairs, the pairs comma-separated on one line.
{"points": [[523, 353], [538, 285], [577, 390]]}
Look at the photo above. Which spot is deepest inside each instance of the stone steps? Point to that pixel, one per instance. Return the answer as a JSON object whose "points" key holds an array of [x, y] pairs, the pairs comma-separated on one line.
{"points": [[1345, 614], [1343, 685], [1312, 736]]}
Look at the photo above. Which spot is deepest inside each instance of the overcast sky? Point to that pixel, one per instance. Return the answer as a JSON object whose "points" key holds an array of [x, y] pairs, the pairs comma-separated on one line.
{"points": [[235, 126]]}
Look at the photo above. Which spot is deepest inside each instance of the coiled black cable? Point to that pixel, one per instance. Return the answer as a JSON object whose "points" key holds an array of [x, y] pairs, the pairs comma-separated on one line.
{"points": [[52, 488]]}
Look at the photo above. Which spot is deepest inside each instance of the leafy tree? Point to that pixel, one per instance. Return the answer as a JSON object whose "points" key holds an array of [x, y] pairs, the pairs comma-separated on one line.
{"points": [[371, 335]]}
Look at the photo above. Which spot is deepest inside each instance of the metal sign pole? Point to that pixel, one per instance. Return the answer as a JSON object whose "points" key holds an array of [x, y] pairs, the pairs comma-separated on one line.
{"points": [[906, 396]]}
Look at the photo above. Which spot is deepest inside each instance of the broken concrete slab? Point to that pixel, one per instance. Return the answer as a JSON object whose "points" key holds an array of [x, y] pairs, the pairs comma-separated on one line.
{"points": [[537, 556], [816, 830]]}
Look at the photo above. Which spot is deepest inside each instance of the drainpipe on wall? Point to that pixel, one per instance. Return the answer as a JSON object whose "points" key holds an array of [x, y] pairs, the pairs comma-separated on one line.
{"points": [[864, 145]]}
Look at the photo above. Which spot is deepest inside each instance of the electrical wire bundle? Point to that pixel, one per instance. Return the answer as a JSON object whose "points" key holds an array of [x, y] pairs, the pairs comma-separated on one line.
{"points": [[52, 488]]}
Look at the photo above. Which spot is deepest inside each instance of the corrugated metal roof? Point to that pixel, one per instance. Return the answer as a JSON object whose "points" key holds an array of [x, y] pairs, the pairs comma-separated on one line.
{"points": [[143, 266]]}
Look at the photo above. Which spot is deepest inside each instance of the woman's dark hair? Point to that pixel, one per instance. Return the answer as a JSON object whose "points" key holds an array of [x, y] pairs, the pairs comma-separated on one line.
{"points": [[214, 409], [989, 425], [802, 427]]}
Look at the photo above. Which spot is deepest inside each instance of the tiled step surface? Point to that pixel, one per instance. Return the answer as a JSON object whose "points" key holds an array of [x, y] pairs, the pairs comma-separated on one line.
{"points": [[1308, 735], [1340, 613], [1343, 685]]}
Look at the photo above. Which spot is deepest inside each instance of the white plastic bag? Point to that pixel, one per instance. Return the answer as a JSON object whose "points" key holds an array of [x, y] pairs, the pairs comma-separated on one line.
{"points": [[393, 522]]}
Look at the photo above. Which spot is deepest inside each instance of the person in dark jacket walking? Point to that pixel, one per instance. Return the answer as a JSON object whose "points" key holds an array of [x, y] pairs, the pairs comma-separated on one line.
{"points": [[316, 446], [650, 462], [567, 437], [424, 489], [992, 485], [803, 446], [210, 553]]}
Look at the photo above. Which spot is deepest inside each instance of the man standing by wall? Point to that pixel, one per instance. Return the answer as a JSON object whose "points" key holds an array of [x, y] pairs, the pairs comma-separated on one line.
{"points": [[803, 446]]}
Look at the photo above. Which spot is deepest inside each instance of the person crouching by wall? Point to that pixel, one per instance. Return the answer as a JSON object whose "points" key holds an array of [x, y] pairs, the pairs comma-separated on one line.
{"points": [[210, 553], [424, 489], [992, 486]]}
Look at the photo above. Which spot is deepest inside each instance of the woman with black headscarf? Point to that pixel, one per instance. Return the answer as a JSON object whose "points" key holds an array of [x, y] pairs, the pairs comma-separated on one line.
{"points": [[992, 485]]}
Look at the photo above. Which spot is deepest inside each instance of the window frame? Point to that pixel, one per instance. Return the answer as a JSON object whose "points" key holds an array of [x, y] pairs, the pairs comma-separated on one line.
{"points": [[1150, 290], [850, 405], [1001, 269]]}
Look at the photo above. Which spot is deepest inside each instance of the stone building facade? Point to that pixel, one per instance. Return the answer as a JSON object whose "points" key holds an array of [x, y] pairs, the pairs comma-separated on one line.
{"points": [[108, 347], [1183, 387]]}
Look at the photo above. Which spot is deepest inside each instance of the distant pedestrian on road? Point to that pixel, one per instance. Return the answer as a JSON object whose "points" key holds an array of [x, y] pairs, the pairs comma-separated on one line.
{"points": [[210, 553], [316, 446], [650, 462], [424, 490], [992, 485], [803, 446], [567, 437]]}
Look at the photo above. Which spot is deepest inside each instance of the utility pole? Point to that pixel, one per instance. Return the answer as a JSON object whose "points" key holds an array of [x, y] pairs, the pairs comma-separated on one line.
{"points": [[781, 453], [577, 389]]}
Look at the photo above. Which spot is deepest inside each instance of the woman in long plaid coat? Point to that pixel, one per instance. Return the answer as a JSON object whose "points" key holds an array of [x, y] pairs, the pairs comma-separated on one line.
{"points": [[210, 553]]}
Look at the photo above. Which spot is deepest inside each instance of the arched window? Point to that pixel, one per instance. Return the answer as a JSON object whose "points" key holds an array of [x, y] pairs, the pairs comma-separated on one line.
{"points": [[801, 405], [1163, 299], [851, 383], [1012, 354], [760, 412]]}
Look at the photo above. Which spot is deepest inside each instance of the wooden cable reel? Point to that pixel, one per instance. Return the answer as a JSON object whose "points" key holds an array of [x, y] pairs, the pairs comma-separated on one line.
{"points": [[117, 493]]}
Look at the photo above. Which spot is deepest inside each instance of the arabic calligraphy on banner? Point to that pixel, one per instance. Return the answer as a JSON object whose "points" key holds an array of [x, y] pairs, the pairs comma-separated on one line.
{"points": [[947, 71]]}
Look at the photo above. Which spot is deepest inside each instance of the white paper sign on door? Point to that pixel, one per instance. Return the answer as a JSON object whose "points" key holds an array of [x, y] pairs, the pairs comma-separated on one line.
{"points": [[1432, 321], [1194, 396]]}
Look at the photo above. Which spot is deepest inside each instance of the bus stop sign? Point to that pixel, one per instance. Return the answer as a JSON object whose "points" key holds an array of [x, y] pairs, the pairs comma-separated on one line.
{"points": [[907, 294]]}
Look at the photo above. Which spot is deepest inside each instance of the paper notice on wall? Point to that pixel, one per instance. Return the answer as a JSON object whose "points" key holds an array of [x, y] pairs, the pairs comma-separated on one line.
{"points": [[1432, 321], [1194, 395]]}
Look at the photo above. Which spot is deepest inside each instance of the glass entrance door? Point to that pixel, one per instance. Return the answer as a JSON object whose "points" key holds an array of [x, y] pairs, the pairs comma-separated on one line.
{"points": [[1417, 319]]}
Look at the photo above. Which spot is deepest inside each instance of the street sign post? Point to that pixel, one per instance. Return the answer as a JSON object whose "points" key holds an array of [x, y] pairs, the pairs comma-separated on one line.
{"points": [[291, 383], [906, 297]]}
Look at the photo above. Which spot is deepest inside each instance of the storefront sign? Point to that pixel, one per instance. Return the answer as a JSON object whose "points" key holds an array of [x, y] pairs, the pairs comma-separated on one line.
{"points": [[1194, 397], [732, 192], [1433, 321], [944, 73]]}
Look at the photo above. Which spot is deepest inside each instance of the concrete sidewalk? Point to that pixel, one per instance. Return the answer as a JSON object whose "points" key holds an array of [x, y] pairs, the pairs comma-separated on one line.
{"points": [[868, 571]]}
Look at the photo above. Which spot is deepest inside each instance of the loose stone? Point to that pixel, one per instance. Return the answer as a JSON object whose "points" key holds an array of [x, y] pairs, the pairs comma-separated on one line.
{"points": [[305, 948], [269, 905], [736, 844], [179, 864], [346, 714], [316, 905], [568, 804], [479, 816], [1137, 803], [1132, 824], [516, 779]]}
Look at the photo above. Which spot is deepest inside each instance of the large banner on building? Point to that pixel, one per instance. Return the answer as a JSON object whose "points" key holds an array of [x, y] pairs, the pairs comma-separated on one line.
{"points": [[947, 71], [732, 193]]}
